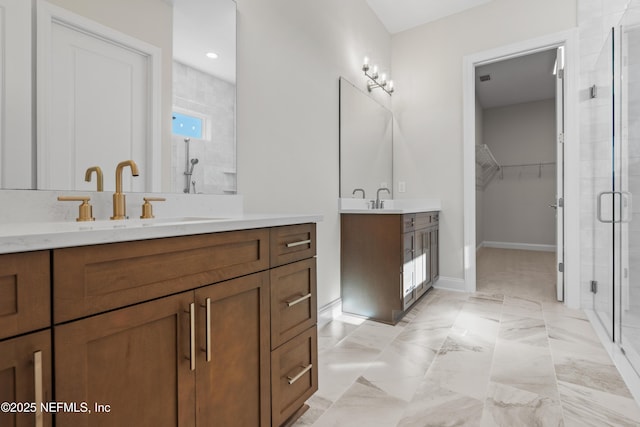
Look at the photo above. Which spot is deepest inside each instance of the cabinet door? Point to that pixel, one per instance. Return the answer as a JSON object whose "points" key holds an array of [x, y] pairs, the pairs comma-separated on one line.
{"points": [[408, 270], [25, 376], [435, 256], [423, 261], [232, 381], [136, 360]]}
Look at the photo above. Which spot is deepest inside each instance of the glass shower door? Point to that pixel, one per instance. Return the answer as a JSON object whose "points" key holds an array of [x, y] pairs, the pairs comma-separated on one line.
{"points": [[603, 186], [630, 185]]}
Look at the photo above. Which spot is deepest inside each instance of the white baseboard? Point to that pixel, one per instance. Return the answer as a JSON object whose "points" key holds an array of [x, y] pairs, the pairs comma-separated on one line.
{"points": [[450, 284], [330, 311], [521, 246]]}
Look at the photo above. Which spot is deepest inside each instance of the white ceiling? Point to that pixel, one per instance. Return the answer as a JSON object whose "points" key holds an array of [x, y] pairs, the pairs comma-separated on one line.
{"points": [[201, 26], [513, 81], [401, 15]]}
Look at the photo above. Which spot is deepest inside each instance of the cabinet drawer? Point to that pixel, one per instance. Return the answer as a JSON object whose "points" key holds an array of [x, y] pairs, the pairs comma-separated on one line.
{"points": [[25, 292], [294, 375], [292, 243], [408, 223], [435, 217], [94, 279], [423, 220], [293, 300]]}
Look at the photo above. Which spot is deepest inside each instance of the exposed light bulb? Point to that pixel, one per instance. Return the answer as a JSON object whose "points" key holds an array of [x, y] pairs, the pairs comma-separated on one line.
{"points": [[212, 55]]}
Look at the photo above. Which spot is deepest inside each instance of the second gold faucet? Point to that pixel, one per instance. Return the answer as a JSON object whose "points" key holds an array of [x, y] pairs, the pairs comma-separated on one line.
{"points": [[119, 200]]}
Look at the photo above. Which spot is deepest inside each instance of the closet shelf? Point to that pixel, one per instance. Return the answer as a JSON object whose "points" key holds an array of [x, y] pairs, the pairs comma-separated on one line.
{"points": [[487, 166]]}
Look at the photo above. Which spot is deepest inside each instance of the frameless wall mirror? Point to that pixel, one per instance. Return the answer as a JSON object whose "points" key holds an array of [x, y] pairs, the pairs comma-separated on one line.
{"points": [[148, 80], [366, 143]]}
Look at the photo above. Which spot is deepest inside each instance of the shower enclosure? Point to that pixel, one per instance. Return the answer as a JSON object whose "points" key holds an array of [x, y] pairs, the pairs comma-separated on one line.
{"points": [[613, 151]]}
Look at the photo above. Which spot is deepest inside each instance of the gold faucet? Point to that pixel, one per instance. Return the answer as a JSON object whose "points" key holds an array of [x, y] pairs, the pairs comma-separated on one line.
{"points": [[98, 171], [119, 203]]}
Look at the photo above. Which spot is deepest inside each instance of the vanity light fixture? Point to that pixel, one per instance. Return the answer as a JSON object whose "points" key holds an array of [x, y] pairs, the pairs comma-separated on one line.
{"points": [[375, 79]]}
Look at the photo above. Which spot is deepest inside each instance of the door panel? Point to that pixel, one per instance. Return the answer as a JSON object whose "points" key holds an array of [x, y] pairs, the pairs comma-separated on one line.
{"points": [[96, 102], [136, 360], [235, 316], [560, 174], [630, 187], [603, 187]]}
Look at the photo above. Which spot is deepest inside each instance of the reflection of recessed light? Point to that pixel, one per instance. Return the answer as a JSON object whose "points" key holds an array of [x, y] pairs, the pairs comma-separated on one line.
{"points": [[212, 55]]}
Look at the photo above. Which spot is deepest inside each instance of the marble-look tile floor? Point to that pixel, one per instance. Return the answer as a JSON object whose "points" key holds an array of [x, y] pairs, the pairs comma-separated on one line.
{"points": [[456, 359]]}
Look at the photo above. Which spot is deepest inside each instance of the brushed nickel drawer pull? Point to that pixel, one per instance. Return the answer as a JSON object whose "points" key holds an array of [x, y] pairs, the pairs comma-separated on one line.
{"points": [[305, 369], [298, 300], [300, 243], [192, 335], [37, 374], [207, 328]]}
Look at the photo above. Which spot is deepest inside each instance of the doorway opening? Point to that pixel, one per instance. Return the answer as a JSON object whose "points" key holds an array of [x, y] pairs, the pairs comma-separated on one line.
{"points": [[519, 181], [560, 166]]}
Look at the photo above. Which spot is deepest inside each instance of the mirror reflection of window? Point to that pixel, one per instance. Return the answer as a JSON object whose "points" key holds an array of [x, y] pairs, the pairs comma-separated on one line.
{"points": [[186, 125]]}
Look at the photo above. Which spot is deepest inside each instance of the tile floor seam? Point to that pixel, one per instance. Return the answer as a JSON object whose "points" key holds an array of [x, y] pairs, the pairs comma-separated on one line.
{"points": [[553, 359]]}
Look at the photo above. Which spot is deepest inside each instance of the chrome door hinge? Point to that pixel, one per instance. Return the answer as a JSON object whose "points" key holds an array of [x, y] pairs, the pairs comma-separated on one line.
{"points": [[594, 287], [561, 138], [593, 91], [561, 267], [561, 202], [561, 73]]}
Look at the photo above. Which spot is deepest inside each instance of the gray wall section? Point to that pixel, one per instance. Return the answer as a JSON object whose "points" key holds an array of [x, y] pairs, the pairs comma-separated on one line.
{"points": [[515, 205]]}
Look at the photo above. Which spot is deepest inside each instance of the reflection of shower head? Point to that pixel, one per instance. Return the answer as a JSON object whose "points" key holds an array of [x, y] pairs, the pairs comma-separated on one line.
{"points": [[194, 162]]}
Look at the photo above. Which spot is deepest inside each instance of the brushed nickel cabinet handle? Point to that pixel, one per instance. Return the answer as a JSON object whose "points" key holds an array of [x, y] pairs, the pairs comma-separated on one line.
{"points": [[207, 328], [299, 243], [37, 374], [298, 300], [192, 335], [305, 369]]}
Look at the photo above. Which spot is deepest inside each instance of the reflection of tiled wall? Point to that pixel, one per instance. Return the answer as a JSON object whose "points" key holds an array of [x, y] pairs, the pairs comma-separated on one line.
{"points": [[209, 96], [595, 19]]}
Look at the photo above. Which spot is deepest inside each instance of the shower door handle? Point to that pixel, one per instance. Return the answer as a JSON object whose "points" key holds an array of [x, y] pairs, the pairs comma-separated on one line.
{"points": [[599, 207], [623, 195]]}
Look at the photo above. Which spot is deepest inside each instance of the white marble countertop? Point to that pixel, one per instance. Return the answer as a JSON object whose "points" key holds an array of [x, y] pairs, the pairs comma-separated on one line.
{"points": [[392, 206], [36, 220], [21, 237]]}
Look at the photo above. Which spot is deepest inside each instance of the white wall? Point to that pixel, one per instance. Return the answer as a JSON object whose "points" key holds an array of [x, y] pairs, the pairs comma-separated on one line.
{"points": [[427, 70], [516, 202], [290, 56]]}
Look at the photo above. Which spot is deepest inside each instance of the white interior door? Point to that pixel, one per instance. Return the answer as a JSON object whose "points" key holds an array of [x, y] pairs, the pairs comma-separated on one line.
{"points": [[95, 103], [560, 173]]}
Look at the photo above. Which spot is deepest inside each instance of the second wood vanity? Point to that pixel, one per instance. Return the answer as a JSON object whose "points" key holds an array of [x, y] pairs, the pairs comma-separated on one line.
{"points": [[214, 329], [388, 261]]}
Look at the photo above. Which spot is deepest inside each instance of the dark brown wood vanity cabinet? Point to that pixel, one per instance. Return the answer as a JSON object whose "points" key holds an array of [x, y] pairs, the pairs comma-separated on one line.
{"points": [[388, 261], [294, 315], [25, 338], [186, 331]]}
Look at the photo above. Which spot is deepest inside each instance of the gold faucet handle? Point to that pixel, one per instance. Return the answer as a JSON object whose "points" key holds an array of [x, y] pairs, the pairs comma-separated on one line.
{"points": [[85, 210], [147, 208]]}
